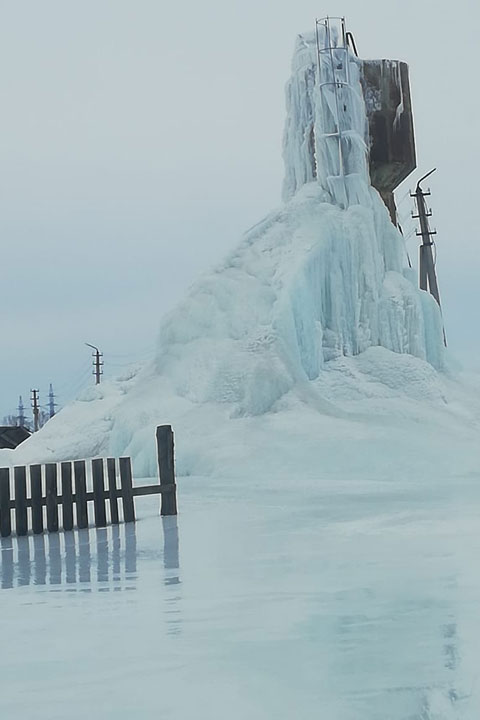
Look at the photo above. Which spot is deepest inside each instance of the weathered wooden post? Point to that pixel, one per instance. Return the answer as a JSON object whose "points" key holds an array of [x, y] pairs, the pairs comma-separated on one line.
{"points": [[36, 491], [20, 484], [67, 495], [5, 518], [166, 469], [112, 489], [80, 475], [99, 492], [51, 496], [127, 489]]}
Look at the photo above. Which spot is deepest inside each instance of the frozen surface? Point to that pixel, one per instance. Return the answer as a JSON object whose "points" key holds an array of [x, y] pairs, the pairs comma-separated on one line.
{"points": [[352, 599]]}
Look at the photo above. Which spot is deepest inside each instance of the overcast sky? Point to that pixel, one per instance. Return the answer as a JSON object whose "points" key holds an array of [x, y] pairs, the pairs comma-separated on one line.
{"points": [[140, 138]]}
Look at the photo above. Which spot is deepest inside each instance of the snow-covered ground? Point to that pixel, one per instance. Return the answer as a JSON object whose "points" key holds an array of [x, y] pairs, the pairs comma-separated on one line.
{"points": [[347, 598]]}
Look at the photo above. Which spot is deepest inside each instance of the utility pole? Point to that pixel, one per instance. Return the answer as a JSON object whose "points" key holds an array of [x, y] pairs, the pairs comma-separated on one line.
{"points": [[97, 363], [51, 401], [428, 276], [35, 410], [21, 412]]}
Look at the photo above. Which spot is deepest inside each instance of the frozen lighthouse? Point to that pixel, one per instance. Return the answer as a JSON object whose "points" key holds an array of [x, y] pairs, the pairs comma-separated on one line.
{"points": [[348, 120], [316, 307]]}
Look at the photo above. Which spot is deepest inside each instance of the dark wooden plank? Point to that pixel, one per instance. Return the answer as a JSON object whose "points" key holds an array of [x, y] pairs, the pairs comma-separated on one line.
{"points": [[166, 467], [5, 516], [153, 489], [126, 485], [112, 489], [37, 499], [80, 475], [51, 495], [67, 495], [99, 493], [89, 496], [20, 484]]}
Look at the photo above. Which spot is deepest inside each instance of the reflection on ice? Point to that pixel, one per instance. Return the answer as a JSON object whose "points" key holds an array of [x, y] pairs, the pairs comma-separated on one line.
{"points": [[170, 549], [100, 557]]}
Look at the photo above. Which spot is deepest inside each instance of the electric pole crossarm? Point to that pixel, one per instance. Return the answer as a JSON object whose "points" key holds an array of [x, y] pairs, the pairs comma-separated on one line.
{"points": [[428, 214]]}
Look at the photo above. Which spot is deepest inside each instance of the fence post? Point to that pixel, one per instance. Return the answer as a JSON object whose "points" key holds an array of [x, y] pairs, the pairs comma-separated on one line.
{"points": [[112, 489], [20, 485], [126, 485], [36, 493], [166, 469], [67, 495], [99, 493], [51, 495], [81, 493], [5, 518]]}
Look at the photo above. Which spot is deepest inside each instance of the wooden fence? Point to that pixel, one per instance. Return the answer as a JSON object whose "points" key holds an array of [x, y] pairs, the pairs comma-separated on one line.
{"points": [[42, 481]]}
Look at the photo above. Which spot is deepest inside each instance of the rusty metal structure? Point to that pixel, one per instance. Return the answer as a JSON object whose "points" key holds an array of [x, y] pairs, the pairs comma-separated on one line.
{"points": [[386, 89]]}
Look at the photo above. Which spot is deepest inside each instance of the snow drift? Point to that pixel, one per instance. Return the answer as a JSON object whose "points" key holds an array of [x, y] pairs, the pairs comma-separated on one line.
{"points": [[321, 279]]}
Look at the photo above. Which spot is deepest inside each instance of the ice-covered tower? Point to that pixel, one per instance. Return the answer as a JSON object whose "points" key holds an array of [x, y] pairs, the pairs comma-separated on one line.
{"points": [[349, 121]]}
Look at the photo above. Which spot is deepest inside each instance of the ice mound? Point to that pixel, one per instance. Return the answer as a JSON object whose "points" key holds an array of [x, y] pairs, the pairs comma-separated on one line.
{"points": [[313, 312], [310, 284], [273, 326]]}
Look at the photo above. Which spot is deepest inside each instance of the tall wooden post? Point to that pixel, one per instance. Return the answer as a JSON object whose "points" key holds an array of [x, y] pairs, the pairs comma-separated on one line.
{"points": [[166, 469], [428, 275], [428, 278]]}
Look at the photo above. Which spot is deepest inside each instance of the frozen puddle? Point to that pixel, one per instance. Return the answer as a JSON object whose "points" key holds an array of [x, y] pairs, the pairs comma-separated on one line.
{"points": [[271, 599]]}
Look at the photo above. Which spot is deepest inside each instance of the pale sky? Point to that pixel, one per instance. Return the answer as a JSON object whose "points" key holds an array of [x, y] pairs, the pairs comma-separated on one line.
{"points": [[140, 138]]}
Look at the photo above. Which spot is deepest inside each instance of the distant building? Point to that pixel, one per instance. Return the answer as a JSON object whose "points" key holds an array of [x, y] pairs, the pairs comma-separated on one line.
{"points": [[12, 435]]}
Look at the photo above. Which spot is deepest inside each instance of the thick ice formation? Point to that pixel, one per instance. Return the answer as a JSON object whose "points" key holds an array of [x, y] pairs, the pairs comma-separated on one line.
{"points": [[309, 284], [313, 281], [321, 279]]}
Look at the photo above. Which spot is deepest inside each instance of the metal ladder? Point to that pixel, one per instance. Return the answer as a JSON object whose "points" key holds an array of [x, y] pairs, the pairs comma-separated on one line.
{"points": [[336, 91]]}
